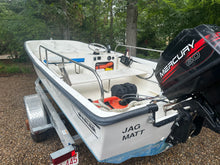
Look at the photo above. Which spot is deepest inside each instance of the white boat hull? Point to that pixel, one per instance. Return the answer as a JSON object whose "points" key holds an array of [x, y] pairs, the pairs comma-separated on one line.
{"points": [[107, 142]]}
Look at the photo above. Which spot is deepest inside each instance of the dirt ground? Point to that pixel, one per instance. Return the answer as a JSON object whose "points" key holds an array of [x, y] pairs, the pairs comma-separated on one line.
{"points": [[17, 147]]}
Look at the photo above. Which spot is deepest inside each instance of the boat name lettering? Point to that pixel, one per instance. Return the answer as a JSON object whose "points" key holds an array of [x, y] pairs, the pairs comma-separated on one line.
{"points": [[132, 131]]}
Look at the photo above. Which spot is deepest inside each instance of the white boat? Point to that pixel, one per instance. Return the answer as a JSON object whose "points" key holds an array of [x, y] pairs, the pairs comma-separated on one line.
{"points": [[114, 101], [80, 77]]}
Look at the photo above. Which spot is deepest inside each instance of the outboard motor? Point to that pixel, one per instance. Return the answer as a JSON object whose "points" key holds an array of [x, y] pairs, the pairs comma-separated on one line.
{"points": [[188, 72]]}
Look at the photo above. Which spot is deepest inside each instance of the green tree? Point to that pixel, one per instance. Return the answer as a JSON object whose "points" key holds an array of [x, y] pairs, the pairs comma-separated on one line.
{"points": [[102, 21], [17, 26]]}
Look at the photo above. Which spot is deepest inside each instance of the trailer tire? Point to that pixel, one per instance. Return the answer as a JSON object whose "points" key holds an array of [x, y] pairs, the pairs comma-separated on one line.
{"points": [[39, 137]]}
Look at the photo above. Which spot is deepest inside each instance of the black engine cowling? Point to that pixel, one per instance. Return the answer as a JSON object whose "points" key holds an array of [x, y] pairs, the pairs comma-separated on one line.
{"points": [[190, 62], [190, 66]]}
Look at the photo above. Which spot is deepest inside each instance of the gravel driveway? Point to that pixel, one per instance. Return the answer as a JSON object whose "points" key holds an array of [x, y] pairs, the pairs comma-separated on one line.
{"points": [[17, 147]]}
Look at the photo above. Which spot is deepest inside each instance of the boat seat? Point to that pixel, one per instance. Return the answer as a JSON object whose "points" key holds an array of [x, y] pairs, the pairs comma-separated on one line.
{"points": [[88, 77]]}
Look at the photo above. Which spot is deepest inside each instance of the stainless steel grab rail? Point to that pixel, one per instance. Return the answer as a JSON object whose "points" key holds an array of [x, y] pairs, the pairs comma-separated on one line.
{"points": [[129, 46], [77, 63]]}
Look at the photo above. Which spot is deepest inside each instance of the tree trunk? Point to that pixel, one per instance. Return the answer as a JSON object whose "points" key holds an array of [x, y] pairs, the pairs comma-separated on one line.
{"points": [[111, 23], [66, 32], [131, 30], [95, 33]]}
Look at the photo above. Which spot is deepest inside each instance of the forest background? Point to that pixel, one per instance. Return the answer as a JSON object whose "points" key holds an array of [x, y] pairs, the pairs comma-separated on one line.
{"points": [[156, 22]]}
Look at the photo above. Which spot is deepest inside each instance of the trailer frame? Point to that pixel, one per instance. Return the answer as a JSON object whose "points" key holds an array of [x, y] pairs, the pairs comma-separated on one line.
{"points": [[42, 117]]}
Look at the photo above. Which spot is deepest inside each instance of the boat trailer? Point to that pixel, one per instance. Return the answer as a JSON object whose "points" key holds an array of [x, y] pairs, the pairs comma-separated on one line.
{"points": [[42, 117]]}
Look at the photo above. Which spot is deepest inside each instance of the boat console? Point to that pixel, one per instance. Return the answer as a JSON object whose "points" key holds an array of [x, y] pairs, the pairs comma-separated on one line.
{"points": [[105, 62]]}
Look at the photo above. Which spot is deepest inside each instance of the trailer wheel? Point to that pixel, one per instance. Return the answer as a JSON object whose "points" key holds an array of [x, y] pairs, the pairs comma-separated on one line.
{"points": [[37, 117], [39, 137]]}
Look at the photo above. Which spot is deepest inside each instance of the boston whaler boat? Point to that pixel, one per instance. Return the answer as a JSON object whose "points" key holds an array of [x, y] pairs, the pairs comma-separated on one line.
{"points": [[123, 106]]}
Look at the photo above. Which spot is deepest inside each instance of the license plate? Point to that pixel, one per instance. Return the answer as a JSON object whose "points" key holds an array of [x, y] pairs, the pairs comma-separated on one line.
{"points": [[71, 161]]}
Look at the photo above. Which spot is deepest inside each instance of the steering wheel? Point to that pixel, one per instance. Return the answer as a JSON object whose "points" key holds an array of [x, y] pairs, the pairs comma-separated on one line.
{"points": [[97, 48]]}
